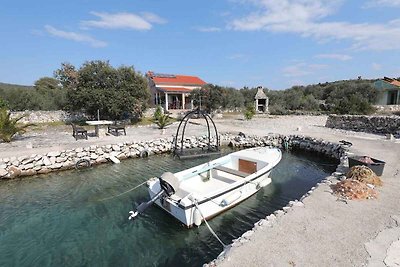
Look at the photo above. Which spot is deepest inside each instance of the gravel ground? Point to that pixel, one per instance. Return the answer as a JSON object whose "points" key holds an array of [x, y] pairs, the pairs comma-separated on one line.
{"points": [[325, 232]]}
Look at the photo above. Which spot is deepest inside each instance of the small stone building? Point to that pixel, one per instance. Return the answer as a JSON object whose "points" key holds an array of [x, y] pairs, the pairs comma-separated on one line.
{"points": [[261, 101]]}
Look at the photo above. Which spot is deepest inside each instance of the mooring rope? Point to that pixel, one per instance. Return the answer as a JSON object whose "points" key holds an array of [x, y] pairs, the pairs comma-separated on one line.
{"points": [[124, 192], [209, 227]]}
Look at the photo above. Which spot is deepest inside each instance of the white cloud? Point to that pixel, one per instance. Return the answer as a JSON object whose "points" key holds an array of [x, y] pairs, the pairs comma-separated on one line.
{"points": [[340, 57], [376, 66], [77, 37], [208, 29], [386, 3], [123, 21], [302, 69], [305, 17]]}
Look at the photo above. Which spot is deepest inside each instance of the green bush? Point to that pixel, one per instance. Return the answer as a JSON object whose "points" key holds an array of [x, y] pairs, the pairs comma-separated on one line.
{"points": [[163, 121], [3, 103], [158, 113], [116, 92], [249, 112], [9, 127]]}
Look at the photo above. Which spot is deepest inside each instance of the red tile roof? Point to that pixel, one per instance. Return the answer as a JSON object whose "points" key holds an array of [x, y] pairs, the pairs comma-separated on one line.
{"points": [[174, 89], [175, 79], [392, 81]]}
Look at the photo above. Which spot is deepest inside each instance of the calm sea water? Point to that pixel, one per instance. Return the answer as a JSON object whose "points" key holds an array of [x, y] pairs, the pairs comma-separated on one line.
{"points": [[61, 220]]}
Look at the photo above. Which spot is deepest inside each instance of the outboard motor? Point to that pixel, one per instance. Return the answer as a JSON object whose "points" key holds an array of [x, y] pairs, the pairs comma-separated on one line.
{"points": [[168, 183]]}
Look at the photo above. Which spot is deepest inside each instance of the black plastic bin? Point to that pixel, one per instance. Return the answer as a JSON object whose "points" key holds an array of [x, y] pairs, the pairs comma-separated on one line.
{"points": [[377, 166]]}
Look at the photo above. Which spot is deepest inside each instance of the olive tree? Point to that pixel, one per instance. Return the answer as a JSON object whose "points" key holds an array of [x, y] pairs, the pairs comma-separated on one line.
{"points": [[98, 86]]}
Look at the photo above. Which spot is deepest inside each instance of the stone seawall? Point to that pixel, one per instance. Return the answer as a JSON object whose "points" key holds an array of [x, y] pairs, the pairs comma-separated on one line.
{"points": [[40, 116], [369, 124], [67, 159]]}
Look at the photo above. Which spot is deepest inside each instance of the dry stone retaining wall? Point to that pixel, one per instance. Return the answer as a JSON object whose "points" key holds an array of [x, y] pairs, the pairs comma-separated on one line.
{"points": [[369, 124], [63, 160], [40, 116]]}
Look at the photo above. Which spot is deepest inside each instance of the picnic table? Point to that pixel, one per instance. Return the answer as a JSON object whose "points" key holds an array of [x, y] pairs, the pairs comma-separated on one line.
{"points": [[97, 125]]}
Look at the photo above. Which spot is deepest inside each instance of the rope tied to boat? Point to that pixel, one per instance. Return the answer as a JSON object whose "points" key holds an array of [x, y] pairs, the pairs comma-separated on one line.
{"points": [[124, 192], [209, 227]]}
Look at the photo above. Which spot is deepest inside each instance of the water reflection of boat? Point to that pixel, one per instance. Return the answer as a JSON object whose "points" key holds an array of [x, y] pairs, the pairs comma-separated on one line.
{"points": [[206, 190]]}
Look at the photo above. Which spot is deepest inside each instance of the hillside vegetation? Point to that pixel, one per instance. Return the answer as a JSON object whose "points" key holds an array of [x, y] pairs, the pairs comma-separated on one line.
{"points": [[341, 97], [85, 89]]}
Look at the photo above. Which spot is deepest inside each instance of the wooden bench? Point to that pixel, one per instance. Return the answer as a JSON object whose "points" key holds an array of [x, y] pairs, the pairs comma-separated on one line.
{"points": [[76, 131], [231, 171], [116, 128]]}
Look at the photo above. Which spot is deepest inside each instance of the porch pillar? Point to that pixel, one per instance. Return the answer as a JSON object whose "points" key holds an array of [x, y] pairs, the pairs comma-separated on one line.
{"points": [[166, 101], [183, 101]]}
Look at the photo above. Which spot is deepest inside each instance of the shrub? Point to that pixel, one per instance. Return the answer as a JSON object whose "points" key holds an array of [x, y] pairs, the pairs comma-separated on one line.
{"points": [[9, 127], [3, 103], [158, 113], [163, 121], [249, 112]]}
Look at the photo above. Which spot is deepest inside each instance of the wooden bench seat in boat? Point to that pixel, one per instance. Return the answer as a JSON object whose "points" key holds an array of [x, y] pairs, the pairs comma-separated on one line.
{"points": [[231, 171]]}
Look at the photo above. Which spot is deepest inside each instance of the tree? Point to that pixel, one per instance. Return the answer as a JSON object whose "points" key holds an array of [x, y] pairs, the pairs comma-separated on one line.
{"points": [[9, 127], [48, 95], [249, 112], [209, 97], [115, 92]]}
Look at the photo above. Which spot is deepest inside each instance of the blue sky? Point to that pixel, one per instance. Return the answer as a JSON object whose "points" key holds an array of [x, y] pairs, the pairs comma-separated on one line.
{"points": [[274, 43]]}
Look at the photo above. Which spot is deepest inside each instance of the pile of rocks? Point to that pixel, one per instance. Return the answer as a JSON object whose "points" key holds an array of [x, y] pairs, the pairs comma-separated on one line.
{"points": [[295, 142], [369, 124]]}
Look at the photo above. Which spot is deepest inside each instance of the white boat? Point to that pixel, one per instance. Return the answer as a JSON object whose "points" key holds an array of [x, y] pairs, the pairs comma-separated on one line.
{"points": [[204, 191]]}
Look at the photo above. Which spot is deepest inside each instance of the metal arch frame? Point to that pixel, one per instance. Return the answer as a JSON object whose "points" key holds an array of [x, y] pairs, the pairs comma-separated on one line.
{"points": [[185, 121]]}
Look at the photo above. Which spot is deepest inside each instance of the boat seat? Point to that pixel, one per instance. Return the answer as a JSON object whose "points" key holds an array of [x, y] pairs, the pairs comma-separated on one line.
{"points": [[231, 171]]}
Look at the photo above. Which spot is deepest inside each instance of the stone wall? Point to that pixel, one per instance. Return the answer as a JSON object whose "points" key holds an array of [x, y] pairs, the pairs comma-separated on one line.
{"points": [[40, 116], [67, 159], [387, 108], [369, 124]]}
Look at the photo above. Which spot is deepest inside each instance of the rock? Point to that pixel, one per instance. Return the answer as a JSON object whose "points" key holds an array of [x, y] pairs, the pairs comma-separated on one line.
{"points": [[248, 234], [116, 148], [79, 150], [44, 171], [46, 161], [3, 172], [54, 154], [61, 159], [3, 165], [298, 204], [28, 160], [13, 172], [29, 172], [93, 156], [56, 166], [28, 166], [286, 209], [53, 160], [279, 213]]}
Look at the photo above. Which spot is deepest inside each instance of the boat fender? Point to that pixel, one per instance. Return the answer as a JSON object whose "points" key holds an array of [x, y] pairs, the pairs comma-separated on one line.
{"points": [[82, 163], [196, 217], [144, 153], [264, 182], [230, 198]]}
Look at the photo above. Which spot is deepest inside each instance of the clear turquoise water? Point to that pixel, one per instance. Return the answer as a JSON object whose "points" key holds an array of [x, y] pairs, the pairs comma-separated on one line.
{"points": [[60, 220]]}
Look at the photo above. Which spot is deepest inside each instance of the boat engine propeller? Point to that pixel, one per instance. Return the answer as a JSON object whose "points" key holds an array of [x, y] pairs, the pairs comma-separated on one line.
{"points": [[166, 190]]}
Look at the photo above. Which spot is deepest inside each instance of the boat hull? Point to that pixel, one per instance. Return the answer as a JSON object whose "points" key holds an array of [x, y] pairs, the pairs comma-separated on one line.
{"points": [[191, 215]]}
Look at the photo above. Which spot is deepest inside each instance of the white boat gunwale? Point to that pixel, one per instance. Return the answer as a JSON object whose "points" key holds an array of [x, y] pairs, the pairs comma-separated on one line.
{"points": [[206, 199]]}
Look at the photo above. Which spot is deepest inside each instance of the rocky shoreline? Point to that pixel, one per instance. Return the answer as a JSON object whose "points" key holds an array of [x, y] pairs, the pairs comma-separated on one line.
{"points": [[68, 159]]}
